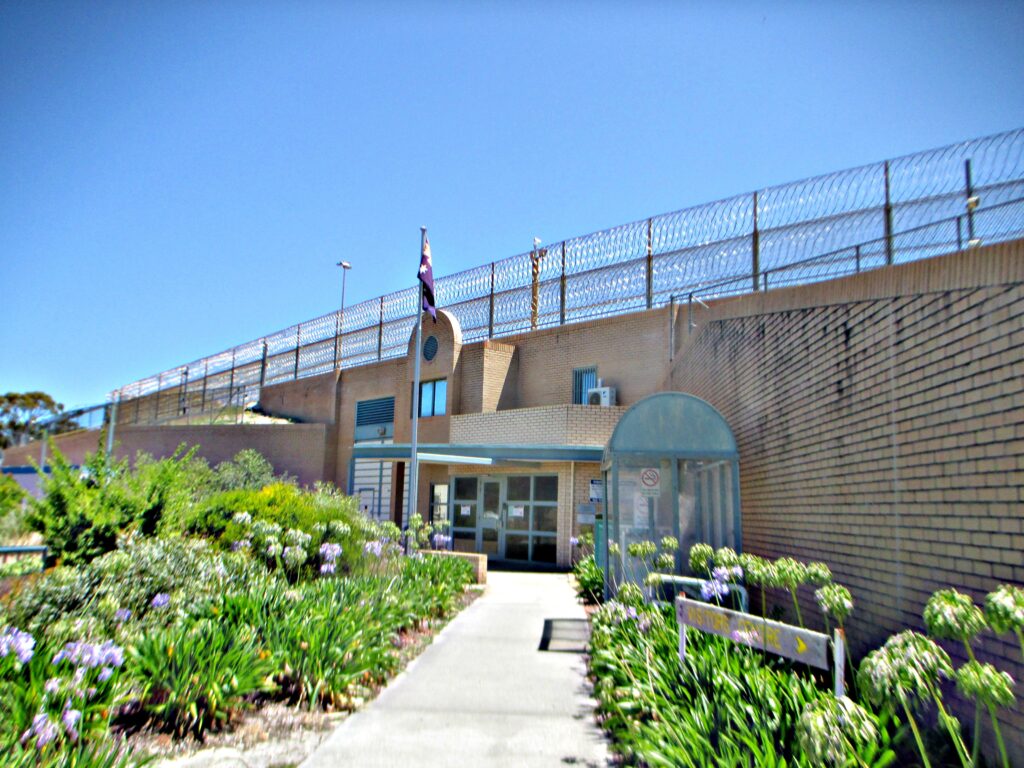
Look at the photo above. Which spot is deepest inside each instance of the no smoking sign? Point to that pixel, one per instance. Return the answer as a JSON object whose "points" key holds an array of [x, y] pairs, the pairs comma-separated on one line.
{"points": [[650, 482]]}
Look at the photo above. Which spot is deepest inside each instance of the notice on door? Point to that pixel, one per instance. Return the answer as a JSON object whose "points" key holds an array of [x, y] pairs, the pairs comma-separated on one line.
{"points": [[465, 510], [650, 482], [517, 512]]}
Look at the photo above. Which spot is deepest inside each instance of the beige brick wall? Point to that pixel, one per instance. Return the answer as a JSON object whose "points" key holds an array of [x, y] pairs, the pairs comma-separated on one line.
{"points": [[547, 425], [880, 423]]}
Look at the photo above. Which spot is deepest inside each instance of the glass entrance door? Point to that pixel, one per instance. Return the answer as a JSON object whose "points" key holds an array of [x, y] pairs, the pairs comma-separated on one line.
{"points": [[492, 527]]}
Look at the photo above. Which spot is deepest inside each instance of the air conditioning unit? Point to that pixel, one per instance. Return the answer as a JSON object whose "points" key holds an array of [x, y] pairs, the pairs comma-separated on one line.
{"points": [[603, 396]]}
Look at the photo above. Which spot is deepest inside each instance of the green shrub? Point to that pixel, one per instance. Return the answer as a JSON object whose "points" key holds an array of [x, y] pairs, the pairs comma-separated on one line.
{"points": [[589, 579], [192, 677], [13, 523]]}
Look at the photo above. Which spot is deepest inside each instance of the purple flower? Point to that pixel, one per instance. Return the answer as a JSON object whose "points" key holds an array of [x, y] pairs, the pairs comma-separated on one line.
{"points": [[375, 548], [240, 545], [330, 551], [160, 600], [112, 655], [52, 686], [22, 644], [721, 574], [737, 572], [122, 614], [327, 568], [43, 729], [70, 719], [644, 625], [573, 541], [441, 541], [713, 590], [105, 674]]}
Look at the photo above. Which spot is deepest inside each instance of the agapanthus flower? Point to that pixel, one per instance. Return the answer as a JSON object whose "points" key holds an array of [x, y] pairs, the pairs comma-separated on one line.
{"points": [[375, 548], [790, 573], [630, 594], [726, 557], [241, 544], [713, 590], [950, 615], [760, 572], [326, 568], [330, 551], [819, 573], [52, 686], [441, 540], [641, 549], [666, 561], [721, 574], [908, 664], [1004, 609], [43, 730], [701, 556], [70, 719], [835, 601], [669, 543], [21, 644], [574, 541], [274, 548], [297, 538], [985, 683], [294, 556], [241, 518], [105, 674], [829, 724], [338, 529], [122, 614], [160, 600]]}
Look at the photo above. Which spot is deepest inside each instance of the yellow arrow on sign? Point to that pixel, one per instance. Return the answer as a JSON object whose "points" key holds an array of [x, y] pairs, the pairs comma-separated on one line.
{"points": [[801, 646]]}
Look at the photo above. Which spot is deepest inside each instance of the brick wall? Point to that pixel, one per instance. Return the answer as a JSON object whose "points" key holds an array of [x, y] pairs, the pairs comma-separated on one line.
{"points": [[547, 425], [880, 423]]}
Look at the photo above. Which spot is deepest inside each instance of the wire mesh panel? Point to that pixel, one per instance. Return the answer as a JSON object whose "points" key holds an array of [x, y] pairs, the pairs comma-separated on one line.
{"points": [[838, 223]]}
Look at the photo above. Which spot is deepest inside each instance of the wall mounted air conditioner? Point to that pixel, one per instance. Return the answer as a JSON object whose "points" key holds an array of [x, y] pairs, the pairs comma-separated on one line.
{"points": [[603, 396]]}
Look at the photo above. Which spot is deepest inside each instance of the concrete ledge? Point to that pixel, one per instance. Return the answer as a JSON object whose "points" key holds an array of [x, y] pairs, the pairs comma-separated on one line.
{"points": [[478, 561]]}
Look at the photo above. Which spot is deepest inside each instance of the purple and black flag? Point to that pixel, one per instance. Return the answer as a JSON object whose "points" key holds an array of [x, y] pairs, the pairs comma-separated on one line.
{"points": [[426, 277]]}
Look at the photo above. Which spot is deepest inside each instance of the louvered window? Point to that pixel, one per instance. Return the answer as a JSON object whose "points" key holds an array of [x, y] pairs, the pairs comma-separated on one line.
{"points": [[375, 418], [582, 380]]}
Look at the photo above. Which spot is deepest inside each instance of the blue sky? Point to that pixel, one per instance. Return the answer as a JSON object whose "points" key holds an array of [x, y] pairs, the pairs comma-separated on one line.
{"points": [[180, 177]]}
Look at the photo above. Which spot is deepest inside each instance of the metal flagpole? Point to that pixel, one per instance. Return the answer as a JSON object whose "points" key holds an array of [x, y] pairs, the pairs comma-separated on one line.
{"points": [[414, 469]]}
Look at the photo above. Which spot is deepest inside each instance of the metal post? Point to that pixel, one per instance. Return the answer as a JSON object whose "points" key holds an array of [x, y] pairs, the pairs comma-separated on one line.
{"points": [[755, 248], [856, 255], [561, 291], [490, 313], [689, 315], [345, 267], [535, 258], [159, 383], [415, 466], [206, 378], [888, 218], [380, 332], [764, 279], [972, 202], [263, 365], [183, 399], [959, 234], [650, 263], [298, 345], [839, 661], [112, 424], [671, 327]]}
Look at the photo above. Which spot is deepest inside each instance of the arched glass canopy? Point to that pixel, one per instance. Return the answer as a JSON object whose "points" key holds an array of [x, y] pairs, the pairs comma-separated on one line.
{"points": [[671, 468]]}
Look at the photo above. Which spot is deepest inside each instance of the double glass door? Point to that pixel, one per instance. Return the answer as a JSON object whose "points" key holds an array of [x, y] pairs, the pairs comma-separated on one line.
{"points": [[510, 517]]}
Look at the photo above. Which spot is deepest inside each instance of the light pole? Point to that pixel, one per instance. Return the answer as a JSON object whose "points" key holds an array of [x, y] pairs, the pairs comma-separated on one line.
{"points": [[345, 267]]}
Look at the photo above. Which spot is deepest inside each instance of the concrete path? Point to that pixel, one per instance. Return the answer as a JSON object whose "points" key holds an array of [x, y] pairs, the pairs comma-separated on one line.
{"points": [[484, 694]]}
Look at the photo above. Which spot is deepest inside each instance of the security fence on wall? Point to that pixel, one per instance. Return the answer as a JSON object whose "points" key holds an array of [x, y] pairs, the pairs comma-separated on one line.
{"points": [[885, 213]]}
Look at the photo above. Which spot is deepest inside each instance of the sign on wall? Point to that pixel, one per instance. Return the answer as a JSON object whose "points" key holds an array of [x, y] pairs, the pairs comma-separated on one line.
{"points": [[596, 491]]}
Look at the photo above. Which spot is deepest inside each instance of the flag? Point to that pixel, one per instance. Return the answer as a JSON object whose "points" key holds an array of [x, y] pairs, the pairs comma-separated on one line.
{"points": [[426, 277]]}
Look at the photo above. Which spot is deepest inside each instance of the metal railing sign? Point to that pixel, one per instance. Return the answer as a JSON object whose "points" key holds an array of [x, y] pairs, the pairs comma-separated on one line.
{"points": [[803, 645]]}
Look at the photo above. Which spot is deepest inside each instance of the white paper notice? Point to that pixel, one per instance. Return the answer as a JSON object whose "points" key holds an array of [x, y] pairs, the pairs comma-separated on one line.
{"points": [[465, 510], [517, 512]]}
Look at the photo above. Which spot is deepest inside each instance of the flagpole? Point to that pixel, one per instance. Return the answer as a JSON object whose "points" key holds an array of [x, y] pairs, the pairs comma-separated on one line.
{"points": [[414, 471]]}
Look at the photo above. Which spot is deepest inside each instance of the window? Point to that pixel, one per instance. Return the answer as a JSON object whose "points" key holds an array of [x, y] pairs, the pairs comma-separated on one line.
{"points": [[433, 397], [582, 380]]}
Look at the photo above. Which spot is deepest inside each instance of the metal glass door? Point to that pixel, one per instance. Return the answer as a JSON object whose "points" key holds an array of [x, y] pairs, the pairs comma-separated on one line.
{"points": [[492, 524]]}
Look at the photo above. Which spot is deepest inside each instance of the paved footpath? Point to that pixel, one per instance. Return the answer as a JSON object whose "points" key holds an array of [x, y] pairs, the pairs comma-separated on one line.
{"points": [[483, 693]]}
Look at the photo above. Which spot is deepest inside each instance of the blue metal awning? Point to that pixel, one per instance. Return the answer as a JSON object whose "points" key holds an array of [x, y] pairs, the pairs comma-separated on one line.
{"points": [[488, 454]]}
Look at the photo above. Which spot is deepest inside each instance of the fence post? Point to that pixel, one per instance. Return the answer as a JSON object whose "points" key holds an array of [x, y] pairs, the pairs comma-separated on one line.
{"points": [[490, 311], [337, 338], [650, 263], [159, 383], [671, 327], [972, 202], [689, 315], [888, 218], [263, 366], [380, 331], [856, 255], [755, 249], [112, 423], [183, 400], [959, 234], [206, 375], [561, 291], [298, 330]]}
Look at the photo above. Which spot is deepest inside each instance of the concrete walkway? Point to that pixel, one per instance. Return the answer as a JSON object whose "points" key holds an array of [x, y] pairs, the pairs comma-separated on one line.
{"points": [[484, 694]]}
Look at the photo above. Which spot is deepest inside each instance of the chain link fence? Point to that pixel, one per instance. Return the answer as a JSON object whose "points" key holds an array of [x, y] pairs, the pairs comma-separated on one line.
{"points": [[884, 213]]}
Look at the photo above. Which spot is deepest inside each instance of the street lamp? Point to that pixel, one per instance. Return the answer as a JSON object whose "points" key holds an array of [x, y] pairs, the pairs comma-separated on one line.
{"points": [[345, 267]]}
